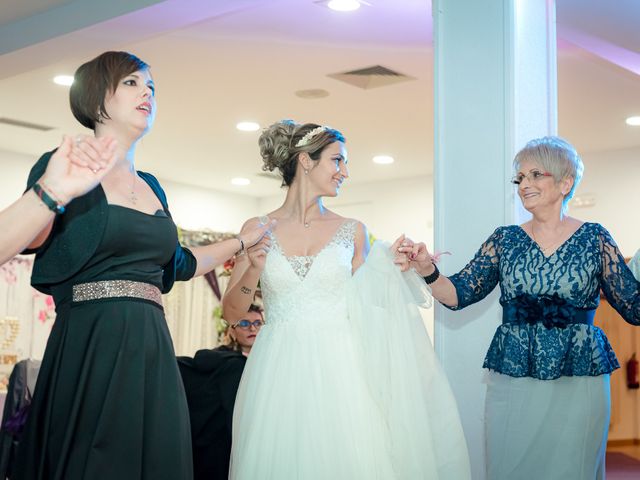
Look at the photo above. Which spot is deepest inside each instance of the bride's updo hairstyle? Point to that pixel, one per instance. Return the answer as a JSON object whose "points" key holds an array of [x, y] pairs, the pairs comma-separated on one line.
{"points": [[281, 143]]}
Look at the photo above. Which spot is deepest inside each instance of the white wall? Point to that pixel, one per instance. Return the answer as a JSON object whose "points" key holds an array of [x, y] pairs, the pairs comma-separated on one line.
{"points": [[613, 179], [14, 168], [195, 208]]}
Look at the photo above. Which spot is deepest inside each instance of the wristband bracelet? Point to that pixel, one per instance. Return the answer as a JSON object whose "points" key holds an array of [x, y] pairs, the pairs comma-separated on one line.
{"points": [[429, 279], [241, 251], [45, 198]]}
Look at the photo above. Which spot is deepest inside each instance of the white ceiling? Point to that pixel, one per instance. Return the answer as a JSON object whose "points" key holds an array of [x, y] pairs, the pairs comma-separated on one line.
{"points": [[216, 63]]}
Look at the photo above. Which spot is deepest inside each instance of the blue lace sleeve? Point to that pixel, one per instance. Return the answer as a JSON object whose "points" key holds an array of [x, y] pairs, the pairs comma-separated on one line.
{"points": [[620, 287], [481, 275]]}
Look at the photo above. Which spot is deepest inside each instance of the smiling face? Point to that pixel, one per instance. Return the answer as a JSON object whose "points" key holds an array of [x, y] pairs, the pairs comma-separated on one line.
{"points": [[327, 174], [538, 190], [132, 106]]}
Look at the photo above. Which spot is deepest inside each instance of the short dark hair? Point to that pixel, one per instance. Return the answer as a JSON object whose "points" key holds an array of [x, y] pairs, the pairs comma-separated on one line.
{"points": [[256, 308], [94, 79]]}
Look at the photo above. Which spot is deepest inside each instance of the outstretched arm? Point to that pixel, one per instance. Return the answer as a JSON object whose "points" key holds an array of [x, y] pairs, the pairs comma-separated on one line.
{"points": [[471, 284], [17, 231], [210, 256], [418, 257], [620, 287]]}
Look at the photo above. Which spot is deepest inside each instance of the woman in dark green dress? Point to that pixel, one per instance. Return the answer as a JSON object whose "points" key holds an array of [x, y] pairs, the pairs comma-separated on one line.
{"points": [[109, 402]]}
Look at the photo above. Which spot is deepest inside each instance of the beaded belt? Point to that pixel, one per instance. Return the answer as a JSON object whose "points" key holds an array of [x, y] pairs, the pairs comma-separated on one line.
{"points": [[116, 288]]}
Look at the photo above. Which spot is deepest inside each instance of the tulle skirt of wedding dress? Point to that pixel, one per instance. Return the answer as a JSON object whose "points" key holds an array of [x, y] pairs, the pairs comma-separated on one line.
{"points": [[359, 397]]}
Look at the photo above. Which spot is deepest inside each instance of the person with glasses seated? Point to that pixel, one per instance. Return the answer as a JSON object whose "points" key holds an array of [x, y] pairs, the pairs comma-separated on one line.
{"points": [[547, 405], [211, 380]]}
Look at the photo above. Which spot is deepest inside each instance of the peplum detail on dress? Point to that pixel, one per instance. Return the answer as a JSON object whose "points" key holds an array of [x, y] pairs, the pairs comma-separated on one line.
{"points": [[533, 350]]}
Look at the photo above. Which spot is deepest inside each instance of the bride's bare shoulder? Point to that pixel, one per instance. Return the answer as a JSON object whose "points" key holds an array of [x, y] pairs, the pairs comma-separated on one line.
{"points": [[256, 222], [262, 219], [360, 227]]}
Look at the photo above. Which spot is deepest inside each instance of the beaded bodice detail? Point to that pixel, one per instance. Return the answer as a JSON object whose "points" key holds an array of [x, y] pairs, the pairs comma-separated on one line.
{"points": [[309, 289], [547, 300], [301, 264]]}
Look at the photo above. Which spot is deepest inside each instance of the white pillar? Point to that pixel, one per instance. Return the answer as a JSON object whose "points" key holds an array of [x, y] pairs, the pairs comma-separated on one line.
{"points": [[495, 88]]}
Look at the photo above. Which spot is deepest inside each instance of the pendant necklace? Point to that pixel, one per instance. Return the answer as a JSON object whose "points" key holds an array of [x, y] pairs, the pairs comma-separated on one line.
{"points": [[542, 249], [132, 196]]}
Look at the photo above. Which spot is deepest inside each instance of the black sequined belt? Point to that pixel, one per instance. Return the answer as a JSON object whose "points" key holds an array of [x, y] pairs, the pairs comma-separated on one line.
{"points": [[83, 292]]}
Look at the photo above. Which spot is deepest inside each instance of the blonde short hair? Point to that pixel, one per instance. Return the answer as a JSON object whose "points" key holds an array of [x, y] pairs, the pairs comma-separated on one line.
{"points": [[556, 156]]}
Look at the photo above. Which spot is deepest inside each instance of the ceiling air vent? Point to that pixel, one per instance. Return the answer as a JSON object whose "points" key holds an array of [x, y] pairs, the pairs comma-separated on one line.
{"points": [[19, 123], [371, 77]]}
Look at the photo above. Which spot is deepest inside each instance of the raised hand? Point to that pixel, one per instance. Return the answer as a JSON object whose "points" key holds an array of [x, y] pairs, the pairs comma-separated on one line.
{"points": [[400, 256], [252, 234], [77, 167], [258, 253], [413, 255]]}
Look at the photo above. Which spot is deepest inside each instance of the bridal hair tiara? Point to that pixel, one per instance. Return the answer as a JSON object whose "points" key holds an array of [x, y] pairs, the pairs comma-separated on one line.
{"points": [[306, 140]]}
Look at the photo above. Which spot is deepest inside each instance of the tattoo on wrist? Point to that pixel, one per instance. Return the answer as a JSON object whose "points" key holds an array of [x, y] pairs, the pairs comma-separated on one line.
{"points": [[245, 290]]}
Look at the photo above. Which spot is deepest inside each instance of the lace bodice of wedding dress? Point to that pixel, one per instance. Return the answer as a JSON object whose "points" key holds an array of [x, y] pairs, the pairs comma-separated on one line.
{"points": [[310, 289]]}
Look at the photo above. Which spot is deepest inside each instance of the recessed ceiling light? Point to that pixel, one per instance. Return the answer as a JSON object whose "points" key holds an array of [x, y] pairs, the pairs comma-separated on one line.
{"points": [[248, 126], [344, 5], [633, 121], [65, 80], [240, 181], [383, 159]]}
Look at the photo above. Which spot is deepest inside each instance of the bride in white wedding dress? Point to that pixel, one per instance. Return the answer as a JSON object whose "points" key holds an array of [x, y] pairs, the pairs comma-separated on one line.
{"points": [[342, 382]]}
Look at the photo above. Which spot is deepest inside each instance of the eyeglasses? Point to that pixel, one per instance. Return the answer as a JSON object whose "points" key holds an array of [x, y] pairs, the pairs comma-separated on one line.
{"points": [[245, 324], [533, 177]]}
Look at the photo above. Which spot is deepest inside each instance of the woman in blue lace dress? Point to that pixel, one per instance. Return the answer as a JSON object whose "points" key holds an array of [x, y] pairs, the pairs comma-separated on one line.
{"points": [[547, 409]]}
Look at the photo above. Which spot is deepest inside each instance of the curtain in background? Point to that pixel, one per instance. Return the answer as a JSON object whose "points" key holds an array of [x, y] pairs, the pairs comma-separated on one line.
{"points": [[189, 310]]}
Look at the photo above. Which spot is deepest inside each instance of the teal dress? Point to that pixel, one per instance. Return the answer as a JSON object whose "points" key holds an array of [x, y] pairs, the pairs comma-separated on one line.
{"points": [[109, 402]]}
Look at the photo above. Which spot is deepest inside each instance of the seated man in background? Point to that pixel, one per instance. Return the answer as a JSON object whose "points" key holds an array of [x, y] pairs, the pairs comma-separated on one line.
{"points": [[211, 380]]}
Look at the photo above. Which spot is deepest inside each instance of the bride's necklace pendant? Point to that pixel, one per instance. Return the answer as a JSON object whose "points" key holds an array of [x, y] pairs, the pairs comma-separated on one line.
{"points": [[307, 224]]}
